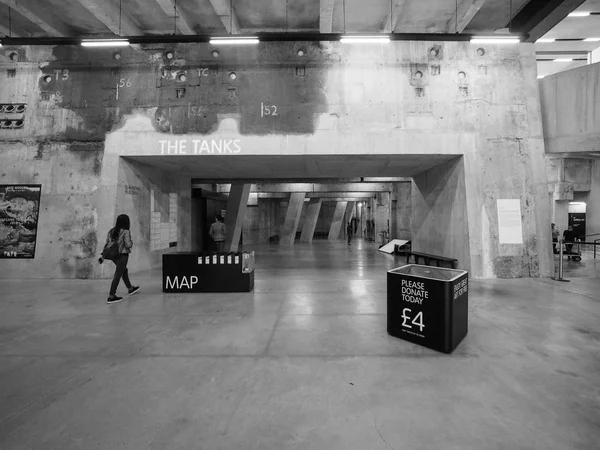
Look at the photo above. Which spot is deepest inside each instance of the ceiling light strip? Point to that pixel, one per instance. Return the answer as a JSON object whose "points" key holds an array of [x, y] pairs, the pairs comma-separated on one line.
{"points": [[382, 39], [238, 40], [495, 40], [105, 43]]}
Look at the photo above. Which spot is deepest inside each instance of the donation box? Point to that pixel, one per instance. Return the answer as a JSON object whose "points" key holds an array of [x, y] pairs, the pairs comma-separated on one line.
{"points": [[428, 306]]}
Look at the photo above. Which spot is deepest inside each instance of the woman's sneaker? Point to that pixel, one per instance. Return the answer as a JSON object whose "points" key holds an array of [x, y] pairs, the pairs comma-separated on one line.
{"points": [[133, 290], [114, 299]]}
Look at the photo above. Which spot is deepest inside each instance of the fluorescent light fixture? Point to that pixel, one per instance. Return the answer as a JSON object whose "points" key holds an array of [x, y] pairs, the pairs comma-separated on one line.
{"points": [[237, 40], [105, 42], [591, 40], [495, 40], [365, 40], [579, 14], [540, 77], [544, 41], [563, 60]]}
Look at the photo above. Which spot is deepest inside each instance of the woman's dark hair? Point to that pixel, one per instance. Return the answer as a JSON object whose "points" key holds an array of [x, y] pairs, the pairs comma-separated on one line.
{"points": [[122, 224]]}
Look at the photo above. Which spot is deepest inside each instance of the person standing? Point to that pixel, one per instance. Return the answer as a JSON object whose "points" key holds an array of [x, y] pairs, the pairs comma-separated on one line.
{"points": [[555, 235], [569, 236], [217, 232], [122, 236]]}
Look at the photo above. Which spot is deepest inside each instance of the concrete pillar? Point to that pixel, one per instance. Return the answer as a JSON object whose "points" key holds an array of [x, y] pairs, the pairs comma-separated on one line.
{"points": [[337, 221], [310, 222], [350, 212], [234, 219], [563, 194], [292, 217], [592, 214]]}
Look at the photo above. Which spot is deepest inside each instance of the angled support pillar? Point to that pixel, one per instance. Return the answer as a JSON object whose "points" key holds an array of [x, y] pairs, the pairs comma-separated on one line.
{"points": [[310, 223], [292, 218], [236, 211], [338, 220]]}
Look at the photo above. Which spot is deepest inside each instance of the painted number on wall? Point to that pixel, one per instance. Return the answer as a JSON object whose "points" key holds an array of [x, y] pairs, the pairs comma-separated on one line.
{"points": [[418, 320], [63, 74], [268, 110], [124, 82], [203, 72]]}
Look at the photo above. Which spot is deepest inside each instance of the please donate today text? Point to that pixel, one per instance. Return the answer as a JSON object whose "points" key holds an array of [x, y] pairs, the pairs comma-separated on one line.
{"points": [[414, 292]]}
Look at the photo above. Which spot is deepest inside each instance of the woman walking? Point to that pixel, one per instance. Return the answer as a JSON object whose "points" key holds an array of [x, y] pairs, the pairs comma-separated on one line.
{"points": [[121, 235]]}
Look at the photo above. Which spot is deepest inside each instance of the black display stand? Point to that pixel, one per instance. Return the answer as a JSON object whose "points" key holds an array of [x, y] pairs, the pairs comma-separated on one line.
{"points": [[208, 272], [428, 306]]}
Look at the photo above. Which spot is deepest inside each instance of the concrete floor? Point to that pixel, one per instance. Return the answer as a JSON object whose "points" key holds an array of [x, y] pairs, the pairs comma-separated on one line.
{"points": [[303, 362]]}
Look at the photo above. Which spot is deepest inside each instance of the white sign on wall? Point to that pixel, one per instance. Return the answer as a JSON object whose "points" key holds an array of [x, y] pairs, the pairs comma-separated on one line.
{"points": [[509, 221]]}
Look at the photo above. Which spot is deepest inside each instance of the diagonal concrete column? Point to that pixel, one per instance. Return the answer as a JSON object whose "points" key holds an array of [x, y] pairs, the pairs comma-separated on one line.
{"points": [[292, 217], [337, 221], [236, 210], [310, 223]]}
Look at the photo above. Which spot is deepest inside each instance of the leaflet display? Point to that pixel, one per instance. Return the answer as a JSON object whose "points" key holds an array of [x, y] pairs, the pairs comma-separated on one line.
{"points": [[208, 272]]}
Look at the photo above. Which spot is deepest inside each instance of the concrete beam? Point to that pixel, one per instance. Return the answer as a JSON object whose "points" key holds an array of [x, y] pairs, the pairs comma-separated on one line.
{"points": [[227, 16], [234, 219], [50, 26], [466, 11], [6, 32], [327, 196], [292, 218], [203, 181], [310, 222], [337, 221], [539, 16], [326, 16], [183, 23], [313, 188], [396, 8], [108, 13]]}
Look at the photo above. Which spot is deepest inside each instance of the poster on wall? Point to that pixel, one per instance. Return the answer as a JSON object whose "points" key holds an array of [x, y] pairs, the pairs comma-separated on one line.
{"points": [[19, 212], [509, 221]]}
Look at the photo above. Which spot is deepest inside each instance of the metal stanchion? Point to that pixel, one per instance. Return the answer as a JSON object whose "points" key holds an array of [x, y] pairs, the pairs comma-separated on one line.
{"points": [[560, 262]]}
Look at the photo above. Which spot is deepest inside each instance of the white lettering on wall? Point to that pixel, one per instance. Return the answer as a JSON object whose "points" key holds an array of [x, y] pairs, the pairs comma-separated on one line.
{"points": [[200, 147]]}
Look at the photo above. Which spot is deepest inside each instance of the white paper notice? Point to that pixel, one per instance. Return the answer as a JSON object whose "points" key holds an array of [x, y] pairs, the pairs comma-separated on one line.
{"points": [[509, 221]]}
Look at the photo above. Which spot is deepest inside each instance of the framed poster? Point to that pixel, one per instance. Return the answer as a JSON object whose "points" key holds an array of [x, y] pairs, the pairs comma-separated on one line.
{"points": [[19, 212], [509, 221]]}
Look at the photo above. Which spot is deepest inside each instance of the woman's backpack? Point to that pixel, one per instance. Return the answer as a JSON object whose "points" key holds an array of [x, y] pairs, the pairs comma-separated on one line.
{"points": [[111, 250]]}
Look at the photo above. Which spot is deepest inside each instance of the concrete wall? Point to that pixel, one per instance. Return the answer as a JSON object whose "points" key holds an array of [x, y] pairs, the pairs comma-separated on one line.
{"points": [[401, 212], [440, 219], [404, 99], [70, 174], [570, 112]]}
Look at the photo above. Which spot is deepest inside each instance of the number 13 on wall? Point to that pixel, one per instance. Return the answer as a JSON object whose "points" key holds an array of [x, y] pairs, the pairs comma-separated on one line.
{"points": [[418, 320]]}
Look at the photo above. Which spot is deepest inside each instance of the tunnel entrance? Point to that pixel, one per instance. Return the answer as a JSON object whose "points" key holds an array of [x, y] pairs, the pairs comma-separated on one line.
{"points": [[293, 199]]}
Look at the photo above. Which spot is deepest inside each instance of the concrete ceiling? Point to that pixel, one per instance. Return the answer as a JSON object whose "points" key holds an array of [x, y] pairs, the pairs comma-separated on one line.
{"points": [[283, 167], [569, 28], [103, 18], [136, 17]]}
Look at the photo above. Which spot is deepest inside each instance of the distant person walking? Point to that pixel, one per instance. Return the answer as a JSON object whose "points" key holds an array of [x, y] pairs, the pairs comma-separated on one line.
{"points": [[120, 236], [555, 235], [217, 232], [349, 229]]}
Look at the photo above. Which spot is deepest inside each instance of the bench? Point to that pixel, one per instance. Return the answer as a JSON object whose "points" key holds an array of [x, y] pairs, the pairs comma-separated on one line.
{"points": [[428, 258]]}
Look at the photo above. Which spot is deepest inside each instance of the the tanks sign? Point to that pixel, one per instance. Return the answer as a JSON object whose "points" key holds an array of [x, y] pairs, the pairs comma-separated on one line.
{"points": [[19, 212], [200, 146]]}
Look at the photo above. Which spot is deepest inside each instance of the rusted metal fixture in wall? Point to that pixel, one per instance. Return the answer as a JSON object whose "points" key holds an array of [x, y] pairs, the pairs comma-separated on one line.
{"points": [[12, 116]]}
